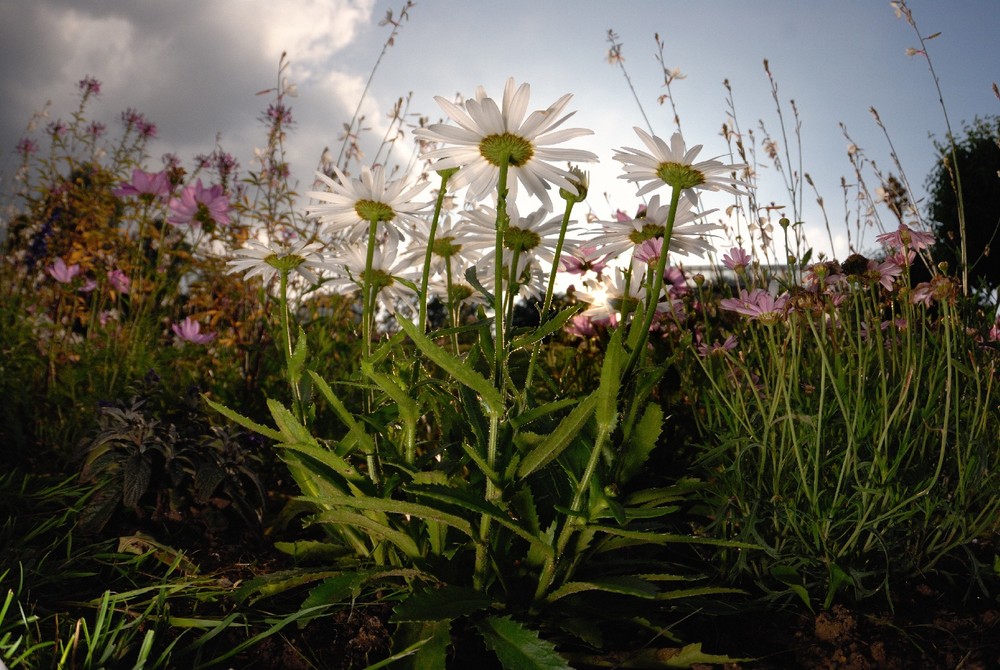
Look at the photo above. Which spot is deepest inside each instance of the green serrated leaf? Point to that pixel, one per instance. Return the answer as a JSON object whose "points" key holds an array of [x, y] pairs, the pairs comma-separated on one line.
{"points": [[238, 418], [606, 411], [298, 359], [518, 647], [560, 438], [408, 409], [535, 413], [311, 550], [471, 501], [657, 658], [334, 590], [425, 646], [389, 506], [444, 604], [373, 528], [355, 429], [642, 441], [630, 586], [546, 329], [327, 458], [454, 366]]}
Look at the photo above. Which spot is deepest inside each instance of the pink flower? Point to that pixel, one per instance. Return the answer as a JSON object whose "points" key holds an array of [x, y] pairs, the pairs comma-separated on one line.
{"points": [[757, 305], [994, 334], [736, 260], [885, 272], [119, 281], [579, 261], [905, 238], [716, 349], [146, 185], [61, 272], [199, 205], [90, 86], [189, 330]]}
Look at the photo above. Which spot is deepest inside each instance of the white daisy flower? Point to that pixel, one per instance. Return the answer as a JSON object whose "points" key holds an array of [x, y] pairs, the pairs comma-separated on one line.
{"points": [[351, 204], [686, 237], [267, 260], [488, 134], [675, 165], [531, 236], [387, 268]]}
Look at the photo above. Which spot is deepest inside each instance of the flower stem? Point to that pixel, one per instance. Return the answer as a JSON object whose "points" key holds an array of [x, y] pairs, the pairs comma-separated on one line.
{"points": [[656, 284]]}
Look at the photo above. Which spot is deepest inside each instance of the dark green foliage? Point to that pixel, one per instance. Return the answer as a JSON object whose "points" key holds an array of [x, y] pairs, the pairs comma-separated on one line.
{"points": [[975, 164]]}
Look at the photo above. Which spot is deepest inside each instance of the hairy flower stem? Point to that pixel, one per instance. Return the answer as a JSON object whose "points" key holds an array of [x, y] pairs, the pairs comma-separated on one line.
{"points": [[286, 345], [573, 522], [368, 290], [656, 285], [550, 289], [425, 278], [499, 362]]}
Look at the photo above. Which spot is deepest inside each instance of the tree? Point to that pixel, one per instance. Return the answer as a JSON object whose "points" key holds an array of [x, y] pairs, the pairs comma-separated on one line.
{"points": [[975, 164]]}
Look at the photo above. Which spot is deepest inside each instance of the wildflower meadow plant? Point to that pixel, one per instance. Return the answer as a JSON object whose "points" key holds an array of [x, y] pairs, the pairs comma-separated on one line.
{"points": [[505, 491], [849, 429]]}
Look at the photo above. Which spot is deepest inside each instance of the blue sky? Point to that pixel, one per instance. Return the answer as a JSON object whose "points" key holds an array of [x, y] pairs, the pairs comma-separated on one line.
{"points": [[193, 68]]}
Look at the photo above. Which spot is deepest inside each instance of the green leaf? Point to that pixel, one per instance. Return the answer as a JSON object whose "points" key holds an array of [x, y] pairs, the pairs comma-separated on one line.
{"points": [[373, 504], [136, 475], [454, 366], [630, 586], [408, 409], [470, 276], [518, 647], [534, 413], [291, 430], [298, 359], [237, 418], [327, 458], [657, 658], [425, 645], [311, 550], [444, 604], [373, 528], [471, 501], [643, 440], [561, 437], [606, 411], [334, 590], [546, 329], [354, 428]]}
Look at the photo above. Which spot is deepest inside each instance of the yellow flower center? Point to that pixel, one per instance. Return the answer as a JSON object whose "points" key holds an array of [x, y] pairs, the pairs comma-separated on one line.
{"points": [[285, 263], [496, 149], [679, 175], [369, 210], [649, 231], [518, 239]]}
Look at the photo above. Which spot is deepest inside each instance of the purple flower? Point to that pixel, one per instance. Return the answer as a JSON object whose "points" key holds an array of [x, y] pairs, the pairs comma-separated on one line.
{"points": [[716, 349], [579, 261], [90, 86], [756, 305], [885, 272], [133, 119], [57, 128], [189, 330], [96, 129], [26, 147], [906, 238], [119, 281], [736, 260], [146, 185], [61, 272], [199, 205]]}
